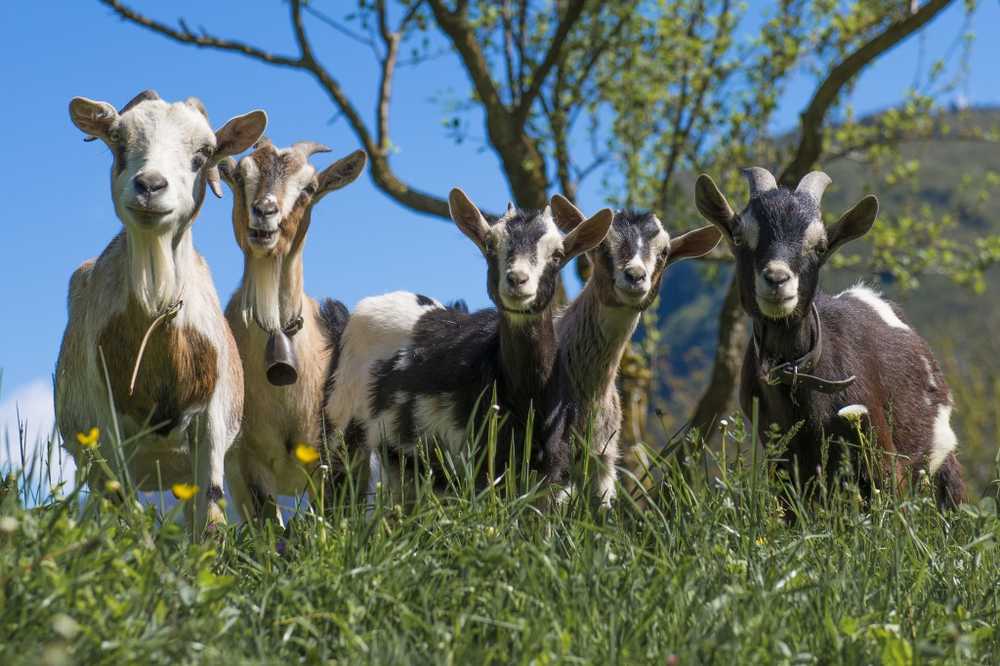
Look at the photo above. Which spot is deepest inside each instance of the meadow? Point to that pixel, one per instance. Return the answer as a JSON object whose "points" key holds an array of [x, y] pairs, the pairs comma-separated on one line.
{"points": [[706, 569]]}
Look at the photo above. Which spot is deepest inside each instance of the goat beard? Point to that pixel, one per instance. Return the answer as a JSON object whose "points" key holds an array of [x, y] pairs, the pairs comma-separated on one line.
{"points": [[153, 271], [261, 300]]}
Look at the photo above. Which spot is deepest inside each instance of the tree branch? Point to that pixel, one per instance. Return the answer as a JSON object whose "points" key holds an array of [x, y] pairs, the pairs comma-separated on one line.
{"points": [[810, 145], [381, 172], [540, 73]]}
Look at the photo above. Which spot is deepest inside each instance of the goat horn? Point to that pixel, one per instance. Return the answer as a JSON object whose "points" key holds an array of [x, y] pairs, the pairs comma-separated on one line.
{"points": [[814, 184], [213, 182], [310, 148], [141, 97], [760, 180]]}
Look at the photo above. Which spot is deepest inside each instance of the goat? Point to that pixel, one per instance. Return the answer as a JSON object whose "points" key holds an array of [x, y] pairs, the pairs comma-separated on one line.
{"points": [[147, 305], [813, 354], [287, 340], [596, 327], [411, 369]]}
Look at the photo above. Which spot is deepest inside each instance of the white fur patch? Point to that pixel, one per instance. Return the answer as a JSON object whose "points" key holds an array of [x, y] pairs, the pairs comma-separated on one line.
{"points": [[261, 292], [875, 301], [944, 440], [435, 422], [815, 234], [378, 328]]}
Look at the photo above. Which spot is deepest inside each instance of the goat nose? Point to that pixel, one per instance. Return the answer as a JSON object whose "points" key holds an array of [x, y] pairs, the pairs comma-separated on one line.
{"points": [[516, 278], [635, 274], [776, 277], [265, 207], [150, 182]]}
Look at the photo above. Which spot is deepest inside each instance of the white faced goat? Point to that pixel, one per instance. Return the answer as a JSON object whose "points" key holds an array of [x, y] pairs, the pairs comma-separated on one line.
{"points": [[144, 318]]}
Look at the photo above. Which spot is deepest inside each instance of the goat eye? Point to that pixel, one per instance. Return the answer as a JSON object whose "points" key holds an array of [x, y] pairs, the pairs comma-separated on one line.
{"points": [[309, 189], [558, 256], [114, 136]]}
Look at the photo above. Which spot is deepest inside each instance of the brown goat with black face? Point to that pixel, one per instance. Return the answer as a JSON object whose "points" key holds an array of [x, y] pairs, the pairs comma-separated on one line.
{"points": [[287, 340], [813, 354]]}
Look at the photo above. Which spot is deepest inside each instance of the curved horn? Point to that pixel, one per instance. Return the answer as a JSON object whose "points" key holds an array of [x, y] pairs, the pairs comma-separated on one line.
{"points": [[141, 97], [760, 180], [213, 182], [135, 101], [814, 184], [309, 148]]}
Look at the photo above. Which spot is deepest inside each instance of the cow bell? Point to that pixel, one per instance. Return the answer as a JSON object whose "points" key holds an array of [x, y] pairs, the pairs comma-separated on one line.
{"points": [[280, 359]]}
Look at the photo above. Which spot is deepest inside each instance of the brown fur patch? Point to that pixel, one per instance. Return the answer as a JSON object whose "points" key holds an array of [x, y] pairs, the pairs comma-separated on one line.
{"points": [[179, 368]]}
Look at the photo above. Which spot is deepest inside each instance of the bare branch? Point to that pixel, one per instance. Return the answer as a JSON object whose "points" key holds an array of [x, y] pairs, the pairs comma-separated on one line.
{"points": [[810, 145], [572, 14], [202, 41]]}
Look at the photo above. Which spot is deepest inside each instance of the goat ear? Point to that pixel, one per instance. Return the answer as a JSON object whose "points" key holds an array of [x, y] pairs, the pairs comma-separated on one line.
{"points": [[93, 118], [342, 172], [566, 216], [587, 235], [855, 223], [468, 218], [239, 133], [713, 206], [694, 243]]}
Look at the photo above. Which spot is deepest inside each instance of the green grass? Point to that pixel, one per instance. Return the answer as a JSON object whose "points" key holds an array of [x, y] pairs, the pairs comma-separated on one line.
{"points": [[710, 573]]}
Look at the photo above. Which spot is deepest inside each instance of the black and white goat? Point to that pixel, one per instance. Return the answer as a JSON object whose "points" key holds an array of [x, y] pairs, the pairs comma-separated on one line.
{"points": [[287, 340], [596, 327], [411, 369], [814, 354], [148, 305]]}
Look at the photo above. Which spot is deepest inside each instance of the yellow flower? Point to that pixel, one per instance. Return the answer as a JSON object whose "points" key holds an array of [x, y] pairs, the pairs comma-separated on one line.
{"points": [[306, 454], [184, 491], [89, 440], [761, 541]]}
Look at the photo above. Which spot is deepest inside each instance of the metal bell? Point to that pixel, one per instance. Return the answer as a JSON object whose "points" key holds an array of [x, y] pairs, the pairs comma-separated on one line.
{"points": [[280, 359]]}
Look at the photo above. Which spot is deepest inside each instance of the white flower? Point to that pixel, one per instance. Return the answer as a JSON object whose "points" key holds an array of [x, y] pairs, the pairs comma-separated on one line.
{"points": [[853, 413], [65, 626], [496, 408], [723, 423], [8, 525]]}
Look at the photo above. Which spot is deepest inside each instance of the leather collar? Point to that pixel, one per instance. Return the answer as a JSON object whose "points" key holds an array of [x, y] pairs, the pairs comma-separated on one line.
{"points": [[293, 326], [796, 373]]}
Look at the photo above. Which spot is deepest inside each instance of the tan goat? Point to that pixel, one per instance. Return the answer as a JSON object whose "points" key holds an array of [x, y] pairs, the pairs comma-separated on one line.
{"points": [[286, 339]]}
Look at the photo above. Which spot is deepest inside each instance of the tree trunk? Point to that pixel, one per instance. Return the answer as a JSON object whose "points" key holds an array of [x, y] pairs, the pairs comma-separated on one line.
{"points": [[729, 352]]}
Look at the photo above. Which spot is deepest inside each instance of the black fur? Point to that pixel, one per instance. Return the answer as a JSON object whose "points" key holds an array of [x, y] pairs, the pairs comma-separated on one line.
{"points": [[458, 356], [334, 316]]}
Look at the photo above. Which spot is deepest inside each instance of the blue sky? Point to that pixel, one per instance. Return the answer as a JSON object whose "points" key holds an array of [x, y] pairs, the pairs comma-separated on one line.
{"points": [[56, 188]]}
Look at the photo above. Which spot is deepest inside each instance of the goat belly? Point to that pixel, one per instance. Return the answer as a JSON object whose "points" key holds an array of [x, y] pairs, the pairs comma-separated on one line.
{"points": [[179, 369]]}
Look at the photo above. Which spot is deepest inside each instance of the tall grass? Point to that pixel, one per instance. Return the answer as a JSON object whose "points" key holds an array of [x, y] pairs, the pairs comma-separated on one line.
{"points": [[709, 572]]}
